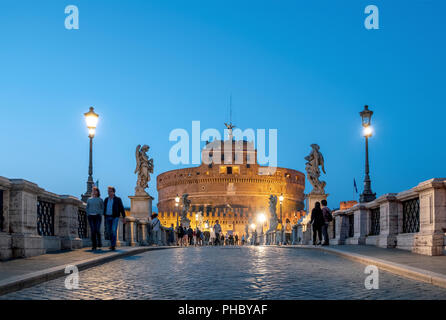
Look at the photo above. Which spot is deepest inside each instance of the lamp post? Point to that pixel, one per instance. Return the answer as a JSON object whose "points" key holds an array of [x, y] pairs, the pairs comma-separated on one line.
{"points": [[281, 202], [261, 218], [196, 220], [91, 119], [177, 203], [367, 195]]}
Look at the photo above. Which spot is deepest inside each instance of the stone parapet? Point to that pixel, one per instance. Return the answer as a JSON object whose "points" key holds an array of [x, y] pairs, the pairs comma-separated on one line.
{"points": [[36, 221], [413, 219]]}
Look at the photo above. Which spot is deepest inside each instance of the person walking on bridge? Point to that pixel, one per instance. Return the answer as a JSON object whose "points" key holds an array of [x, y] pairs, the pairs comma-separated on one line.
{"points": [[326, 212], [113, 209], [317, 221], [217, 230], [95, 210]]}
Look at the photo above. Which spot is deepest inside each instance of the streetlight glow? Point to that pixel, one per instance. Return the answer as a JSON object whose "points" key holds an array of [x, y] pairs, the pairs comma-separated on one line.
{"points": [[368, 131], [281, 198], [91, 118], [261, 218], [253, 226]]}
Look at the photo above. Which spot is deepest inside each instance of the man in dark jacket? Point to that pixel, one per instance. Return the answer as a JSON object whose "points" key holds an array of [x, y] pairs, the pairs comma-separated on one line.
{"points": [[317, 220], [326, 212], [113, 209], [190, 235]]}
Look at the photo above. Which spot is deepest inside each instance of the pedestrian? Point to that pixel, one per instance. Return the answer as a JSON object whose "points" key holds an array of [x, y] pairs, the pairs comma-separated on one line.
{"points": [[198, 237], [113, 209], [185, 237], [217, 230], [180, 234], [288, 231], [279, 233], [171, 234], [326, 212], [156, 229], [236, 239], [211, 237], [95, 209], [243, 240], [202, 238], [317, 220], [190, 235], [222, 240]]}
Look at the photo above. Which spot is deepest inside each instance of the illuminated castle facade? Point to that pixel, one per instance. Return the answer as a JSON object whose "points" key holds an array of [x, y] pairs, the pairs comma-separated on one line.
{"points": [[231, 187]]}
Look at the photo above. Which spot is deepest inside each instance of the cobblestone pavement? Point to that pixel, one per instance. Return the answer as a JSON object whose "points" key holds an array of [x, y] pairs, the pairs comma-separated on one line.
{"points": [[231, 273]]}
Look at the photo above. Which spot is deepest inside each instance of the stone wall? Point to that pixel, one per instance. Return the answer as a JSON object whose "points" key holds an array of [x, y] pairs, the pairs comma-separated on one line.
{"points": [[35, 221], [412, 220]]}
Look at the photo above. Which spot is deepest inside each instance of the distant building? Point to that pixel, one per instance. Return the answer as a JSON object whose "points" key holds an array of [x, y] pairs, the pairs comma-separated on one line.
{"points": [[344, 205], [231, 187]]}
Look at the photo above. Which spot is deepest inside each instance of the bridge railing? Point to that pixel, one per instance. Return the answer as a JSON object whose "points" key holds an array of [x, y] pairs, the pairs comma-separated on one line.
{"points": [[34, 221], [412, 220]]}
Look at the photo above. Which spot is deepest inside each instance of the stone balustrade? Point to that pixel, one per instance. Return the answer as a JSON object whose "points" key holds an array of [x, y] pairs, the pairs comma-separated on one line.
{"points": [[138, 232], [34, 221], [412, 220]]}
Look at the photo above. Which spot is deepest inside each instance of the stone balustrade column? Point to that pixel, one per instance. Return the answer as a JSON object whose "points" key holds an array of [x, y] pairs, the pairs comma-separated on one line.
{"points": [[143, 235], [26, 241], [5, 237], [361, 215], [430, 239], [341, 227], [130, 231], [68, 224], [389, 208]]}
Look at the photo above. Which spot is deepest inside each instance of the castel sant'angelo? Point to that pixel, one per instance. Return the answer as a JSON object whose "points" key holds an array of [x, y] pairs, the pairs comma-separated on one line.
{"points": [[231, 187]]}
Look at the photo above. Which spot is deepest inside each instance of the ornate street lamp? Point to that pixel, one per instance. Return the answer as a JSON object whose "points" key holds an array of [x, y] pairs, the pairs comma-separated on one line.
{"points": [[281, 202], [177, 203], [91, 119], [366, 116]]}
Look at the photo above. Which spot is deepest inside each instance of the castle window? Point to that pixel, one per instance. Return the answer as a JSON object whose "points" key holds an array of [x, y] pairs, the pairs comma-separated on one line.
{"points": [[229, 170]]}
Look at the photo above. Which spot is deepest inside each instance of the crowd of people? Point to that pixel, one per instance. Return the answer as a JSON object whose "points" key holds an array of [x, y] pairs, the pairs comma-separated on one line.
{"points": [[196, 237], [112, 209]]}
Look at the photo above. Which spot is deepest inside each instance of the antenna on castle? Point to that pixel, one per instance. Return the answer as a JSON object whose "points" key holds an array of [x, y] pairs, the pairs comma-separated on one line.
{"points": [[230, 109], [229, 125]]}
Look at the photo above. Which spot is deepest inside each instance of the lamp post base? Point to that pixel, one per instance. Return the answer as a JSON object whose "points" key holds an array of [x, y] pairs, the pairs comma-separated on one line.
{"points": [[367, 197]]}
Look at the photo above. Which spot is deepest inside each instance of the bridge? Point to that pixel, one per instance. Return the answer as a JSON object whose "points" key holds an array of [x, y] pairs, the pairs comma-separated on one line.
{"points": [[44, 243]]}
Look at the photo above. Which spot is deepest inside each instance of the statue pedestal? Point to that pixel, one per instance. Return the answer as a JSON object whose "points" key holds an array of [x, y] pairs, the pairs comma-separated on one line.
{"points": [[185, 222], [141, 206], [311, 199]]}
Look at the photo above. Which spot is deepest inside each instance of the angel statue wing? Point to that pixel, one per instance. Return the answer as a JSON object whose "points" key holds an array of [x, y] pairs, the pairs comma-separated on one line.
{"points": [[138, 160], [321, 162], [151, 165]]}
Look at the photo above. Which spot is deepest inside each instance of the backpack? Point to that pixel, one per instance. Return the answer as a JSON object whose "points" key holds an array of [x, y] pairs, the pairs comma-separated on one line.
{"points": [[327, 214]]}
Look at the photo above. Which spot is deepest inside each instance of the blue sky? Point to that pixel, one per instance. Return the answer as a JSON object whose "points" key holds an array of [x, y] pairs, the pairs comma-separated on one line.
{"points": [[305, 68]]}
